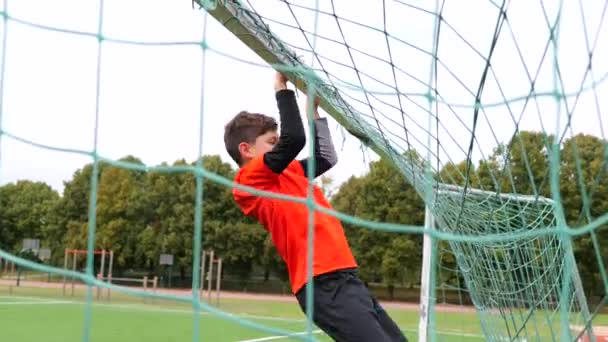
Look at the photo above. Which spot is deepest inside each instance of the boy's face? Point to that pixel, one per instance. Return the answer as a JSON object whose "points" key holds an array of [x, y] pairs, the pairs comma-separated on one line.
{"points": [[263, 143]]}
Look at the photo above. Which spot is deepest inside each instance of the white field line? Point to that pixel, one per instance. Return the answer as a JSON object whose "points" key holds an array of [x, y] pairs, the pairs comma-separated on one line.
{"points": [[276, 337], [451, 332]]}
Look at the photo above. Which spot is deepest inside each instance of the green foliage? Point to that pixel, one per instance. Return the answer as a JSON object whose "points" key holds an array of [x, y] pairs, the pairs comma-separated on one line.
{"points": [[584, 178], [527, 170], [120, 212], [271, 261], [67, 225], [522, 166], [141, 215], [383, 195], [25, 208], [455, 173], [397, 263], [169, 226], [584, 191], [241, 245]]}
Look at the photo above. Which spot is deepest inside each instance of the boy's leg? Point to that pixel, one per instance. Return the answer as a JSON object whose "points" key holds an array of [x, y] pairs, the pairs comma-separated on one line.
{"points": [[387, 323], [344, 309]]}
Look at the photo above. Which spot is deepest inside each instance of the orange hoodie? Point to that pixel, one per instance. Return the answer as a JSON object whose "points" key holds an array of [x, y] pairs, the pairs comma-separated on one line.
{"points": [[287, 221]]}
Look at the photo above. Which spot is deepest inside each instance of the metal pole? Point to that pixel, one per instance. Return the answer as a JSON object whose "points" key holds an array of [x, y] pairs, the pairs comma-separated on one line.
{"points": [[145, 281], [74, 269], [110, 272], [154, 285], [202, 284], [218, 282], [103, 262], [101, 271], [210, 284], [65, 267]]}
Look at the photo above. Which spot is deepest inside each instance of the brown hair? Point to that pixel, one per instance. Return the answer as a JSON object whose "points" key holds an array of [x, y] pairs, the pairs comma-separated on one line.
{"points": [[245, 127]]}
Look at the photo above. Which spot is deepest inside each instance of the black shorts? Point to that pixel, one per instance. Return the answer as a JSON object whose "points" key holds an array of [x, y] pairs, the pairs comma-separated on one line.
{"points": [[346, 311]]}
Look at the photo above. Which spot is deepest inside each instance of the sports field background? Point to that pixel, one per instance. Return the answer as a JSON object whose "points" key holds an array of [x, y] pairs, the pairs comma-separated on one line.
{"points": [[36, 311]]}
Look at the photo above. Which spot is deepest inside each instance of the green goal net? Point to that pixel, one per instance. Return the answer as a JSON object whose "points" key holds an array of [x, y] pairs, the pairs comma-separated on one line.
{"points": [[431, 106], [494, 112]]}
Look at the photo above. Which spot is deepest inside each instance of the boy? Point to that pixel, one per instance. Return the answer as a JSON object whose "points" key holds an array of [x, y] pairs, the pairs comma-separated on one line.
{"points": [[343, 307]]}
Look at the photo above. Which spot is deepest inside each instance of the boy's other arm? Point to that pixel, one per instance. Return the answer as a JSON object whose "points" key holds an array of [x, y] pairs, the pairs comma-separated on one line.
{"points": [[325, 153], [292, 138]]}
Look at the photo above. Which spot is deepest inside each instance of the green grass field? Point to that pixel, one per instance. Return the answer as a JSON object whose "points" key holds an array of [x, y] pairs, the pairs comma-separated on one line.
{"points": [[35, 315]]}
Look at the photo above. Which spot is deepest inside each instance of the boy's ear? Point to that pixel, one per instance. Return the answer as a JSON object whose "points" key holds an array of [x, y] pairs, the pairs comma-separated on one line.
{"points": [[247, 150]]}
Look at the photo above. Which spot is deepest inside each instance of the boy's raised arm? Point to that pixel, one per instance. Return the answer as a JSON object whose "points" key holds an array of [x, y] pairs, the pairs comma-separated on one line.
{"points": [[292, 138], [325, 153]]}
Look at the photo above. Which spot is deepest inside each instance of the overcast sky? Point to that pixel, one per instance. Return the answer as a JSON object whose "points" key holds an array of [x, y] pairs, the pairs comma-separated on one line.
{"points": [[150, 95]]}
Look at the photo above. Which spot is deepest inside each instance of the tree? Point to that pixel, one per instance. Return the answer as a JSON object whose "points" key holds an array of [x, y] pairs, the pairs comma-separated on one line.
{"points": [[382, 195], [455, 173], [25, 209], [121, 213], [240, 245], [68, 222], [521, 166], [272, 262], [169, 229], [171, 199], [397, 267], [489, 176], [218, 203], [584, 178], [584, 194]]}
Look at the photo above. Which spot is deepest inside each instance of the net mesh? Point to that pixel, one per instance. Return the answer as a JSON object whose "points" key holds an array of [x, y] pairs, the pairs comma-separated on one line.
{"points": [[369, 74], [433, 89]]}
